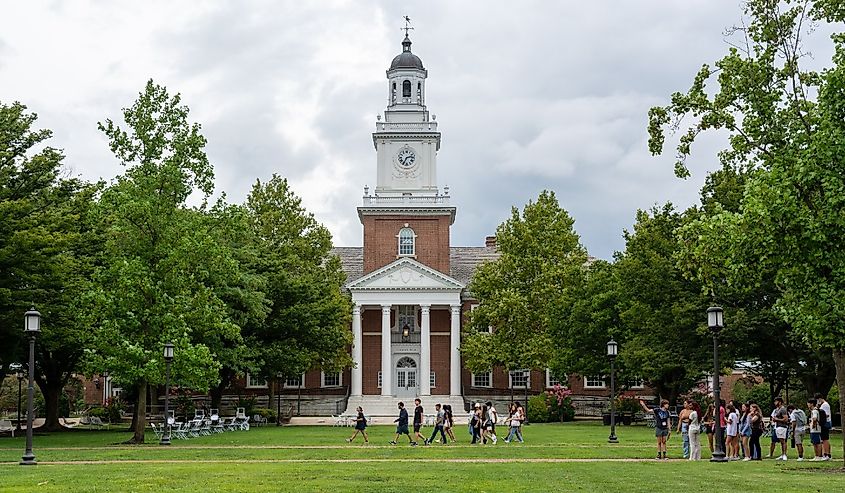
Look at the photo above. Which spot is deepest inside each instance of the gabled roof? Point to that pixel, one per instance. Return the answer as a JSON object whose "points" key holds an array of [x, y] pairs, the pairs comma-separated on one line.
{"points": [[405, 274]]}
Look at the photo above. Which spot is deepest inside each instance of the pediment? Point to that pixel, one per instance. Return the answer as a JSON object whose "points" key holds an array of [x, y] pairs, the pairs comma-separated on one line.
{"points": [[405, 274]]}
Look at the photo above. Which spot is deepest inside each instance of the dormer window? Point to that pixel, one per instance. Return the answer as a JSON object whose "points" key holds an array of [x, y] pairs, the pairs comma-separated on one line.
{"points": [[406, 89], [407, 238]]}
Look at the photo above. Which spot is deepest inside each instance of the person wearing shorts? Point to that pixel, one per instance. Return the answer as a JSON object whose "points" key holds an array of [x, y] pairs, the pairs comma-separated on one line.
{"points": [[661, 425], [418, 420], [826, 423], [402, 425], [815, 430], [780, 416], [798, 427]]}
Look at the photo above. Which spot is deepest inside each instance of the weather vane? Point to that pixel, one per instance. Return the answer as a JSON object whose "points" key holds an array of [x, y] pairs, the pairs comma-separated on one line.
{"points": [[407, 25]]}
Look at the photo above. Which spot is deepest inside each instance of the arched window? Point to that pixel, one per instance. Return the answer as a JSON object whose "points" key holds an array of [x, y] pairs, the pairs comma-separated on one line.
{"points": [[393, 93], [406, 362], [406, 89], [407, 239]]}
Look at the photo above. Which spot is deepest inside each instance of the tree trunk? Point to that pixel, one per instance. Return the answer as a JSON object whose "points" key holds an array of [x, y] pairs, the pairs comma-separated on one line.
{"points": [[839, 360], [52, 392], [140, 418]]}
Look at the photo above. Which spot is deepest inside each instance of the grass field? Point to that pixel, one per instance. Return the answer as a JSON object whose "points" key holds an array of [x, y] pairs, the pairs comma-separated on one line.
{"points": [[568, 457]]}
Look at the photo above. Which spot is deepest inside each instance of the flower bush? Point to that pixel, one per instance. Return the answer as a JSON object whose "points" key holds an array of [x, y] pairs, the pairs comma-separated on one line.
{"points": [[552, 405]]}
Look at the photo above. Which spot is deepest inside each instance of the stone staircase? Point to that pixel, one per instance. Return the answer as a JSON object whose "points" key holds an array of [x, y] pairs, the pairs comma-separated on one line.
{"points": [[387, 406]]}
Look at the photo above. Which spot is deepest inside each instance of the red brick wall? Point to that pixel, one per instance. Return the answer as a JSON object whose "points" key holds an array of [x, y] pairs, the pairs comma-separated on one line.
{"points": [[381, 244], [371, 352]]}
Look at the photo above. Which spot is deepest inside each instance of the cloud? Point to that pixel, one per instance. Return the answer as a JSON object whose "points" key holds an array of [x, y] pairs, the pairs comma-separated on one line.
{"points": [[529, 96]]}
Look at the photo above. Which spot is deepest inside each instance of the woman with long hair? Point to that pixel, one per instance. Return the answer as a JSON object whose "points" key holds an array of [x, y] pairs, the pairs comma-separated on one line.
{"points": [[745, 430], [694, 430], [756, 433], [709, 422], [448, 422]]}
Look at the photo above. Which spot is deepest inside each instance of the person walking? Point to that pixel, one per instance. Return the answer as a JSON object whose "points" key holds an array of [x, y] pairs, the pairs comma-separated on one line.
{"points": [[826, 422], [402, 425], [683, 428], [661, 425], [360, 427], [449, 422], [418, 421], [694, 431], [798, 428], [475, 423], [490, 423], [439, 421]]}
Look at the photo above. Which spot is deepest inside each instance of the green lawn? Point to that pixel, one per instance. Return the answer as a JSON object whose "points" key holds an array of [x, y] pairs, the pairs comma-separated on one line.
{"points": [[317, 459]]}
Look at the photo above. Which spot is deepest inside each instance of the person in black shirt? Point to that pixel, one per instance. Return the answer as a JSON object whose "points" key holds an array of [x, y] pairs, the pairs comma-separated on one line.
{"points": [[402, 425], [418, 421], [360, 426]]}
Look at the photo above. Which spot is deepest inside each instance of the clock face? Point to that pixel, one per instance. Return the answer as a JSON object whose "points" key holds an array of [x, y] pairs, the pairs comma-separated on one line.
{"points": [[406, 157]]}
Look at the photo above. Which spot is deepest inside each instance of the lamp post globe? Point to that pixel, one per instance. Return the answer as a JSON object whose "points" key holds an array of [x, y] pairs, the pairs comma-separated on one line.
{"points": [[716, 322], [612, 352], [31, 327], [168, 358]]}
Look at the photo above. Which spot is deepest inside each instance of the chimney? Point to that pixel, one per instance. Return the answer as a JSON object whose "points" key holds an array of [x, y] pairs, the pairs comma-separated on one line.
{"points": [[490, 241]]}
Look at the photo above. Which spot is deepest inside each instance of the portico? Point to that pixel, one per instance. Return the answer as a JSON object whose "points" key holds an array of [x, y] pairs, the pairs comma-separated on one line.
{"points": [[406, 293]]}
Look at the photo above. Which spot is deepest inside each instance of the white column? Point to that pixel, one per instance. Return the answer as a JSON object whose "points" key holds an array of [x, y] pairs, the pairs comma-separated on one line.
{"points": [[455, 356], [386, 358], [357, 351], [425, 350]]}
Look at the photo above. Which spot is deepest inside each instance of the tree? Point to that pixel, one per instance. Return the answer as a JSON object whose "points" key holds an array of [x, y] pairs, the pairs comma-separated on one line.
{"points": [[48, 252], [541, 264], [308, 322], [160, 258], [788, 123], [660, 311]]}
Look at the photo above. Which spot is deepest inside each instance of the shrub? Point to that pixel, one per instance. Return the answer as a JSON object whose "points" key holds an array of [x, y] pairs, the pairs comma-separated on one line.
{"points": [[264, 413], [629, 405], [537, 410], [248, 403]]}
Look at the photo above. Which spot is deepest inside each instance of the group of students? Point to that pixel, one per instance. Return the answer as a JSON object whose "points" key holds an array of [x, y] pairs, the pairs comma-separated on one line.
{"points": [[742, 425], [482, 424]]}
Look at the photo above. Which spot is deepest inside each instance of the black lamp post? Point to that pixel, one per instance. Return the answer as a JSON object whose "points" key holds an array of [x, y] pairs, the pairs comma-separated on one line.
{"points": [[20, 374], [31, 327], [168, 358], [716, 322], [612, 351]]}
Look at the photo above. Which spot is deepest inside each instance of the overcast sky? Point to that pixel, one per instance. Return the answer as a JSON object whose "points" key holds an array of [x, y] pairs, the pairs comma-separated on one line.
{"points": [[529, 95]]}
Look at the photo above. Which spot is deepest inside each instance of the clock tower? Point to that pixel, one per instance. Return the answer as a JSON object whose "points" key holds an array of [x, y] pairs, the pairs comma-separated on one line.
{"points": [[407, 140], [406, 200]]}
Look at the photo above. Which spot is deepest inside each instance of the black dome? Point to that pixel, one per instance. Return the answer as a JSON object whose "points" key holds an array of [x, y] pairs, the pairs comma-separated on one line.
{"points": [[406, 59]]}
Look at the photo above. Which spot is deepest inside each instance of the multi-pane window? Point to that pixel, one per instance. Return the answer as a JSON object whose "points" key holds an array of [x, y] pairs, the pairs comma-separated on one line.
{"points": [[594, 382], [406, 315], [433, 380], [294, 382], [254, 382], [636, 383], [331, 379], [482, 379], [379, 379], [520, 379], [551, 379], [406, 241]]}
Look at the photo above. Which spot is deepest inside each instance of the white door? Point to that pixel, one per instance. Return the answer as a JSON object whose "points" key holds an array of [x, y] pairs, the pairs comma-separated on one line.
{"points": [[406, 377]]}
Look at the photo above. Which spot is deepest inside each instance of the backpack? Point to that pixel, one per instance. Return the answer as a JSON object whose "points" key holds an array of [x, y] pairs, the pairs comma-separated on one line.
{"points": [[822, 417]]}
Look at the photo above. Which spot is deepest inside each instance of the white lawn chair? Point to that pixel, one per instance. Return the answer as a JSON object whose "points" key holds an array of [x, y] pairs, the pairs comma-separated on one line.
{"points": [[180, 431], [6, 425], [216, 422], [259, 420], [241, 419], [205, 427], [158, 430], [338, 420]]}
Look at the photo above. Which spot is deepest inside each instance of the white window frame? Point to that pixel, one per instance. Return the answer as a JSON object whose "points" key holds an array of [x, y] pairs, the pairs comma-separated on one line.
{"points": [[301, 382], [250, 384], [399, 252], [525, 373], [551, 380], [489, 376], [594, 378], [472, 309], [432, 380], [339, 379], [640, 383], [378, 379]]}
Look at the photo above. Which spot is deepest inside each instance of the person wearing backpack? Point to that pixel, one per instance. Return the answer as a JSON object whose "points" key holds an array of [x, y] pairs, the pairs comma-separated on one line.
{"points": [[826, 422]]}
